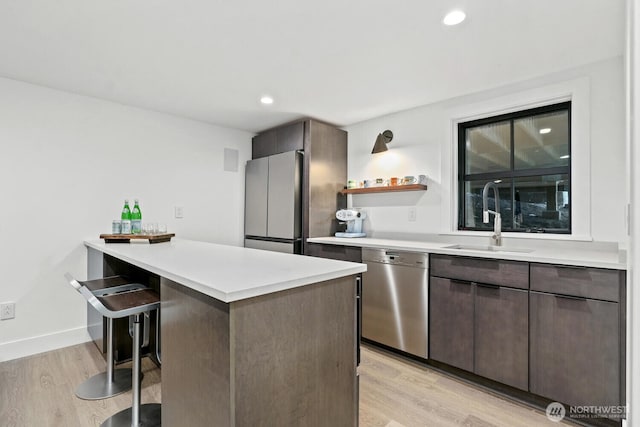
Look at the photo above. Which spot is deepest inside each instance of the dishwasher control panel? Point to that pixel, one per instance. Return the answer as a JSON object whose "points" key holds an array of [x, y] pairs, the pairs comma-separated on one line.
{"points": [[395, 257]]}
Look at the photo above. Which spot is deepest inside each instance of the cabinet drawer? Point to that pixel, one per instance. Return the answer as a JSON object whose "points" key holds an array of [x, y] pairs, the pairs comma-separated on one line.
{"points": [[342, 253], [594, 283], [514, 274]]}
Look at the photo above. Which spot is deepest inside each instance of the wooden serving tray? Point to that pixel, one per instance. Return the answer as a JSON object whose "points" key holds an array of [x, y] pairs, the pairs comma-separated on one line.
{"points": [[126, 238]]}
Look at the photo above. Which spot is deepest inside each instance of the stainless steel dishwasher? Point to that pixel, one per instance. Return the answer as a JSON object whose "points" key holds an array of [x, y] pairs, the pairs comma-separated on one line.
{"points": [[395, 299]]}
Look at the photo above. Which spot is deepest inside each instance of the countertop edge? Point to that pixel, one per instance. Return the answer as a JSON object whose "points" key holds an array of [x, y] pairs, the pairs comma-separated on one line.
{"points": [[537, 255], [160, 272], [229, 297]]}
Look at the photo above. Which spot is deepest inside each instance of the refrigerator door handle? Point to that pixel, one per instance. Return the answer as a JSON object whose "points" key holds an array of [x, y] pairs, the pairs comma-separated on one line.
{"points": [[301, 201]]}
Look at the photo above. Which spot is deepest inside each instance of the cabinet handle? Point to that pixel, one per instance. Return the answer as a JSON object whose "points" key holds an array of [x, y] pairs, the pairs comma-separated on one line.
{"points": [[463, 261], [572, 267], [461, 282], [486, 285], [570, 297]]}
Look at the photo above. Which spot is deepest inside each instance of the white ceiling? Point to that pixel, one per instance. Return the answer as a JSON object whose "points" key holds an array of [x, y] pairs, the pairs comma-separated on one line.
{"points": [[338, 61]]}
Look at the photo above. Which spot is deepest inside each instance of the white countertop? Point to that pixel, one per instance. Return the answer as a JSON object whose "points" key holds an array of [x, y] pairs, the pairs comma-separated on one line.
{"points": [[227, 273], [558, 255]]}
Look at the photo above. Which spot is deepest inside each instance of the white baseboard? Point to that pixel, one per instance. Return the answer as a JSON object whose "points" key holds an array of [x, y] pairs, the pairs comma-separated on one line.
{"points": [[40, 344]]}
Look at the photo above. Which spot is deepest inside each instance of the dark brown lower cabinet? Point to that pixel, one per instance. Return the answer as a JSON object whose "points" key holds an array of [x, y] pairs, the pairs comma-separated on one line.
{"points": [[451, 322], [559, 335], [480, 328], [501, 336], [575, 349]]}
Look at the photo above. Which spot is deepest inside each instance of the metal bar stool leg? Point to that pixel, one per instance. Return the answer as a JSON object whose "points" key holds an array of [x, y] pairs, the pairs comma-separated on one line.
{"points": [[138, 415], [109, 383], [135, 406], [110, 350]]}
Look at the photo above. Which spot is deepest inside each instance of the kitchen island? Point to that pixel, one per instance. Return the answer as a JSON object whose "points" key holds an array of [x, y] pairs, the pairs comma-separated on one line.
{"points": [[249, 337]]}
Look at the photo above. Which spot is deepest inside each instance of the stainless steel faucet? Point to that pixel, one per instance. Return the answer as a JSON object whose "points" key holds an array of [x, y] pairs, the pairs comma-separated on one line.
{"points": [[497, 221]]}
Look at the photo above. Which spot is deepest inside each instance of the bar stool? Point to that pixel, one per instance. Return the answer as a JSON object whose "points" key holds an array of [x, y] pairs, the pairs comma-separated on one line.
{"points": [[113, 381], [134, 303]]}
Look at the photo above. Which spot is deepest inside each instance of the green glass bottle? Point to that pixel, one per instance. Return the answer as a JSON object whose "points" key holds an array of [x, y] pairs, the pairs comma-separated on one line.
{"points": [[136, 218], [126, 218]]}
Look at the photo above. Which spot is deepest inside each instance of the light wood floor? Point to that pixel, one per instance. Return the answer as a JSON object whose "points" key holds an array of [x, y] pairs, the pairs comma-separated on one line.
{"points": [[38, 391], [395, 392]]}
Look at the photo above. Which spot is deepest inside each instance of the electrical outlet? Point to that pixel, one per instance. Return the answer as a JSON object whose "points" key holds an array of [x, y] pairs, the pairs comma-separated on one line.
{"points": [[412, 213], [7, 310], [179, 211]]}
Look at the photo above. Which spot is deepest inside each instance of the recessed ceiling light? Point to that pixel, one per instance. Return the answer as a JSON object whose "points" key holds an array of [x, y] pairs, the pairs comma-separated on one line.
{"points": [[545, 130], [454, 17], [266, 100], [566, 156]]}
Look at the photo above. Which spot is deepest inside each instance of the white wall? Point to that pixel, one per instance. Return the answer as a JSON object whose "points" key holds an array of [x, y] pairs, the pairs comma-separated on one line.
{"points": [[67, 164], [421, 135]]}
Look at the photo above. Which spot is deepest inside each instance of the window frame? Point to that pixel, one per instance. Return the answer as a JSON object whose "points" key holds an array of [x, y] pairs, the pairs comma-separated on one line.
{"points": [[512, 173]]}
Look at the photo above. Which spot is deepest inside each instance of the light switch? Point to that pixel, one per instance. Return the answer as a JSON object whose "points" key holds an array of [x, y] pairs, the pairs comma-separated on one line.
{"points": [[412, 213]]}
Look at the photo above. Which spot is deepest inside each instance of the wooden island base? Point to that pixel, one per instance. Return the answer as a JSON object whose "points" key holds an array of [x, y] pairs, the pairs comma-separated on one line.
{"points": [[282, 359]]}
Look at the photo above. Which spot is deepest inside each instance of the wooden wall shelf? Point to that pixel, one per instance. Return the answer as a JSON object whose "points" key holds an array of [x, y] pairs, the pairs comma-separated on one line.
{"points": [[387, 189]]}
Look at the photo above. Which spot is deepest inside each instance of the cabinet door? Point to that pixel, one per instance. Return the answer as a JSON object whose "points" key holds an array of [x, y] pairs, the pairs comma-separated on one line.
{"points": [[290, 138], [255, 203], [325, 156], [264, 144], [451, 322], [575, 350], [502, 335]]}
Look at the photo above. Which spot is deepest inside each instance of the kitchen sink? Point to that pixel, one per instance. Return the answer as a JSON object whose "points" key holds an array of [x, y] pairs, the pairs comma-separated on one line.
{"points": [[487, 248]]}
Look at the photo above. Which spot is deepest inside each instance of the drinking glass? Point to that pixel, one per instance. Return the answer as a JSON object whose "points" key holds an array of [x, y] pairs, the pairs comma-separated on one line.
{"points": [[149, 228]]}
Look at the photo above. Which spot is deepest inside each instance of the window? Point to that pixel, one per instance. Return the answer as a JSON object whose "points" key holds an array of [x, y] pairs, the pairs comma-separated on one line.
{"points": [[527, 155]]}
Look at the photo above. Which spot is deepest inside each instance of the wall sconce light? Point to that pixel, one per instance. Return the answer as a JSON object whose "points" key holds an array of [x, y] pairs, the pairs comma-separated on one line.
{"points": [[381, 142]]}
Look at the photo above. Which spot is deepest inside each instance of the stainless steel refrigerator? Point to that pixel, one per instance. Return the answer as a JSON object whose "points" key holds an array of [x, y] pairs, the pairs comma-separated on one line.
{"points": [[273, 203]]}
